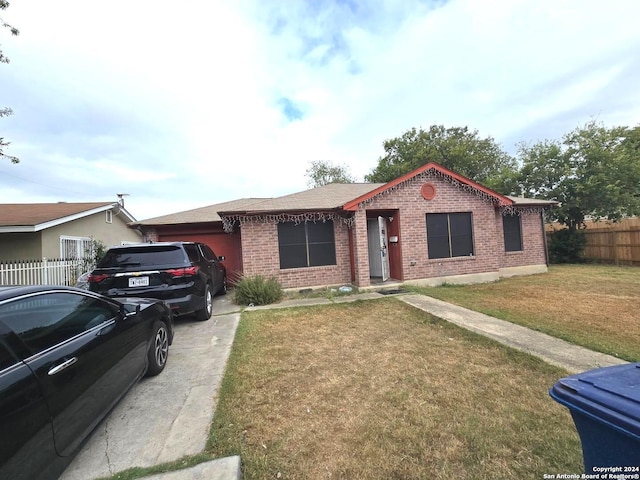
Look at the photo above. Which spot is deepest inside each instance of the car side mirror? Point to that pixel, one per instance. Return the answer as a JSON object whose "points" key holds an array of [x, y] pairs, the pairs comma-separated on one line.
{"points": [[221, 258]]}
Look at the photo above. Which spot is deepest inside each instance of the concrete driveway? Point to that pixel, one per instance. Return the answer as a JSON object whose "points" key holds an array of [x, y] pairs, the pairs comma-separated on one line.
{"points": [[166, 417]]}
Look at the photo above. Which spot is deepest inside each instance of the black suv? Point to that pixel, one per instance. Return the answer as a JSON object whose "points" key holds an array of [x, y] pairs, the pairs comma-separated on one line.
{"points": [[185, 275]]}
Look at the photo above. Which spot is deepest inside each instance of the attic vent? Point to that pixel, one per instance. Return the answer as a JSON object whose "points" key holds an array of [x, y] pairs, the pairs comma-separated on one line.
{"points": [[428, 191]]}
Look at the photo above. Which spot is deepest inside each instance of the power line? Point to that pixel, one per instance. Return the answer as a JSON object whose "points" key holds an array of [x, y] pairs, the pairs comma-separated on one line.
{"points": [[47, 185]]}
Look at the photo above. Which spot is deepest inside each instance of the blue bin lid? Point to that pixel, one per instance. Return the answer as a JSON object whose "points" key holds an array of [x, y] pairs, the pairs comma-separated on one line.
{"points": [[609, 394]]}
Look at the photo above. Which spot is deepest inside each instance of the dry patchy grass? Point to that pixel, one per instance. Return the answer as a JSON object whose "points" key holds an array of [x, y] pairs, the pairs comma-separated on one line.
{"points": [[596, 306], [379, 390]]}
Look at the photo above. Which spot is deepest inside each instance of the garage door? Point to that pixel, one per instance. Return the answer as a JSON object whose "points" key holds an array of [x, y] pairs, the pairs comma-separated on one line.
{"points": [[223, 244]]}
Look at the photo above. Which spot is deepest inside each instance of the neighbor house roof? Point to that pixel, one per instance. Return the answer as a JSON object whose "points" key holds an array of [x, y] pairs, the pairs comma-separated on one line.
{"points": [[34, 217]]}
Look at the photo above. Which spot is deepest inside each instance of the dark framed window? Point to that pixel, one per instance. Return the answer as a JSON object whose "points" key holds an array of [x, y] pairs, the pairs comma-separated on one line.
{"points": [[306, 244], [449, 235], [512, 228]]}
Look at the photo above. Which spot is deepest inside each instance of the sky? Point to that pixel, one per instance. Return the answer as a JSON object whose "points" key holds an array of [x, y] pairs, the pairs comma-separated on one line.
{"points": [[181, 105]]}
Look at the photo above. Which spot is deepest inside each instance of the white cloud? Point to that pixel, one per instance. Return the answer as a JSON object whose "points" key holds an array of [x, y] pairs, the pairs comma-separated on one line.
{"points": [[180, 105]]}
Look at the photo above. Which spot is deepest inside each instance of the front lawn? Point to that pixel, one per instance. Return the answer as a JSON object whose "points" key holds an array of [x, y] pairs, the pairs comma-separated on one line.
{"points": [[380, 390], [596, 306]]}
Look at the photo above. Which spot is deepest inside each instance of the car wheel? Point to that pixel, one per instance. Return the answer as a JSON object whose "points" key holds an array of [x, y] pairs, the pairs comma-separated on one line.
{"points": [[159, 349], [206, 312]]}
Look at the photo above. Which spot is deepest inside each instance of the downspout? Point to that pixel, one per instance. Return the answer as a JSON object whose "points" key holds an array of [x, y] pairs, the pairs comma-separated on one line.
{"points": [[351, 259], [139, 228], [544, 238]]}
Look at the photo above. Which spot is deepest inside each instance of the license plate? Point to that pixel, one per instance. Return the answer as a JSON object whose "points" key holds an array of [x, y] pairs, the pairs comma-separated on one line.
{"points": [[139, 282]]}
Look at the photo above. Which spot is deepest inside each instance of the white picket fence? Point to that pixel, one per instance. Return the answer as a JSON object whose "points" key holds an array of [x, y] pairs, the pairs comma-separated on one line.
{"points": [[40, 272]]}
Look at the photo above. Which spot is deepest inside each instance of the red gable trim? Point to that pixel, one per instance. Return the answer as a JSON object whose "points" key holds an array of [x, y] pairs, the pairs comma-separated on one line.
{"points": [[501, 199]]}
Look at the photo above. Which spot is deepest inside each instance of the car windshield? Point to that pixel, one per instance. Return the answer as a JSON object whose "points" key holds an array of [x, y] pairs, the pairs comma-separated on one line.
{"points": [[142, 256]]}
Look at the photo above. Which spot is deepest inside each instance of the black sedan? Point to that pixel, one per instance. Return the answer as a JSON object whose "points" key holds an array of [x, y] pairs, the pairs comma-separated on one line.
{"points": [[67, 356]]}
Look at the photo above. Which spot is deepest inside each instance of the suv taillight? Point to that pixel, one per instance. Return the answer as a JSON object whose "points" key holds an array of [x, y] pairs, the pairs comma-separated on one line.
{"points": [[183, 272], [97, 278]]}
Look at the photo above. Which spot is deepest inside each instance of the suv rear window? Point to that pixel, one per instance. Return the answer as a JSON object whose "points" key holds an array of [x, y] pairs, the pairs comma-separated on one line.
{"points": [[142, 256]]}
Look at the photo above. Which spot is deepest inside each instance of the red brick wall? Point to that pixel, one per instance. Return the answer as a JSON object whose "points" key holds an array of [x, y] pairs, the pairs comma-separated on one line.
{"points": [[260, 257], [533, 247], [260, 241], [488, 238], [413, 231], [361, 249]]}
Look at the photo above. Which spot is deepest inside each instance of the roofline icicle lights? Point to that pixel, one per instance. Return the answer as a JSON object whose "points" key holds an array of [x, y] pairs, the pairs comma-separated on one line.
{"points": [[228, 221]]}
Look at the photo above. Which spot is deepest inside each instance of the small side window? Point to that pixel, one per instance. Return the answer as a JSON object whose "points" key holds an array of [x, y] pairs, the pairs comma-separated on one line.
{"points": [[109, 216], [512, 227]]}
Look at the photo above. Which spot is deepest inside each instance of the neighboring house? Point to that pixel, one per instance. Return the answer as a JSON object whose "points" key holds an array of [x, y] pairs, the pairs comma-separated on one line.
{"points": [[429, 226], [32, 231]]}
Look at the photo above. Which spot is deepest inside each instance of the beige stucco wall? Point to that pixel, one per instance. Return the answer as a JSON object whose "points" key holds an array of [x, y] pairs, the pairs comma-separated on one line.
{"points": [[46, 243], [20, 246], [94, 226]]}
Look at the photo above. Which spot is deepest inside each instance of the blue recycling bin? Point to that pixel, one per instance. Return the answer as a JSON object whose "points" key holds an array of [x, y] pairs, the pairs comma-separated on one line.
{"points": [[605, 406]]}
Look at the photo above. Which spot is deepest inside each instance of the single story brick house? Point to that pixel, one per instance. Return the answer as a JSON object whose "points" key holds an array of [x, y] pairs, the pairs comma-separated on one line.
{"points": [[429, 226]]}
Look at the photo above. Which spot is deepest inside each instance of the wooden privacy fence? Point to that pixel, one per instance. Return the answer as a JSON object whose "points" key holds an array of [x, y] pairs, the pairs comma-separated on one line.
{"points": [[613, 245], [40, 272]]}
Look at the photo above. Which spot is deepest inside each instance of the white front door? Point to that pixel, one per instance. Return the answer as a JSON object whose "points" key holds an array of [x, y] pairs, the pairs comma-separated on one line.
{"points": [[384, 250]]}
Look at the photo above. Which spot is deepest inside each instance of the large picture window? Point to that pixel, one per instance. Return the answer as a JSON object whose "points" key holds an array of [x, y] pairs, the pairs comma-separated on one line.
{"points": [[512, 228], [306, 244], [449, 235]]}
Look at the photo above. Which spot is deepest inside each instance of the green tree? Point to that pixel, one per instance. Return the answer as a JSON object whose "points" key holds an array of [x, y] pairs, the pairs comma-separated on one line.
{"points": [[14, 31], [594, 171], [457, 148], [322, 173], [4, 112]]}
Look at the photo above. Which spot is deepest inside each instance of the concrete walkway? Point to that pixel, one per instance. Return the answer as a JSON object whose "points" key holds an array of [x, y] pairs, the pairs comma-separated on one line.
{"points": [[557, 352], [194, 431]]}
